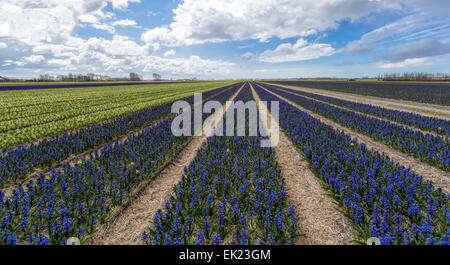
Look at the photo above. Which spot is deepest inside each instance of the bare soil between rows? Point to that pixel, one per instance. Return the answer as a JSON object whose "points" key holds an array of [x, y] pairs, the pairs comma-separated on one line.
{"points": [[75, 130], [440, 178], [318, 217], [33, 176], [74, 158], [415, 129], [425, 109], [130, 222]]}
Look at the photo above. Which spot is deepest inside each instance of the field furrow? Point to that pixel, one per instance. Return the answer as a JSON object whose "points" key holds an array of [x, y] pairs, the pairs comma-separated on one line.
{"points": [[320, 222], [440, 178], [411, 93], [72, 201], [427, 148], [232, 193], [383, 199], [16, 129], [413, 121], [93, 152], [16, 163], [126, 228]]}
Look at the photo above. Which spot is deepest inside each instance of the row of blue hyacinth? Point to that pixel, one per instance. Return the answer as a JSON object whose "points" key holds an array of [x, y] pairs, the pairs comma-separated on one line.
{"points": [[439, 126], [427, 148], [72, 201], [16, 163], [383, 199], [232, 193], [426, 92]]}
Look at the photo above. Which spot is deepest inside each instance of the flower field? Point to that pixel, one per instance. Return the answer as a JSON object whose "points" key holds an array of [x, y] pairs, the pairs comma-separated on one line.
{"points": [[83, 181], [427, 148], [17, 162], [231, 193], [435, 93], [74, 199], [382, 199], [439, 126], [27, 115], [47, 85]]}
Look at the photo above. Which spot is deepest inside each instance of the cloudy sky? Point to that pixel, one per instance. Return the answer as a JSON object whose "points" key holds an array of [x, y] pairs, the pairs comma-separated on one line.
{"points": [[224, 38]]}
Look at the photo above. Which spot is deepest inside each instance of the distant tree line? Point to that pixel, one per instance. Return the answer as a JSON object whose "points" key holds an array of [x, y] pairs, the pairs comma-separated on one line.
{"points": [[90, 77], [415, 77], [75, 78]]}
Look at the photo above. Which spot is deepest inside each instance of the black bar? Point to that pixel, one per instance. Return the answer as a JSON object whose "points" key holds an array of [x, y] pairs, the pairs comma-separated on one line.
{"points": [[168, 255]]}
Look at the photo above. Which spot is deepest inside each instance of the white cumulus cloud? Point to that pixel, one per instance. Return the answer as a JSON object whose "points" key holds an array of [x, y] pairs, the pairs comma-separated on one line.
{"points": [[193, 65], [122, 55], [34, 58], [50, 21], [200, 21], [104, 26], [170, 53], [121, 4], [124, 23], [407, 63], [300, 51], [248, 56]]}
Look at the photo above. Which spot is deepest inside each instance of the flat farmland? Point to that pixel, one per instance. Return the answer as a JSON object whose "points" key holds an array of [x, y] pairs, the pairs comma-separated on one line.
{"points": [[27, 115], [342, 172], [212, 126], [424, 92], [44, 85]]}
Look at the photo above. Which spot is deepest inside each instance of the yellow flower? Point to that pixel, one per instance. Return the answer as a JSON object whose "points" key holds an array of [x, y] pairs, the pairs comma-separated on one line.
{"points": [[437, 154], [228, 150], [137, 172], [439, 128], [352, 144], [129, 122], [131, 164], [79, 162]]}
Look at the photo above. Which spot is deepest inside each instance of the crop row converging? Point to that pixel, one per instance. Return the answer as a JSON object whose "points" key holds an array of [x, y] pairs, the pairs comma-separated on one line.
{"points": [[76, 198], [382, 199]]}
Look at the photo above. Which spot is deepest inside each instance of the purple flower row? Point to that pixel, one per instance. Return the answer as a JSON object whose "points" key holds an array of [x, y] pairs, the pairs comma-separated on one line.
{"points": [[383, 199], [16, 163], [434, 150], [73, 200]]}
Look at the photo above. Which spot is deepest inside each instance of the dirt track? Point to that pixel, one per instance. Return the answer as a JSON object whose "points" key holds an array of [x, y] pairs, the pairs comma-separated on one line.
{"points": [[127, 228], [440, 178], [368, 115], [318, 218], [425, 109], [34, 175]]}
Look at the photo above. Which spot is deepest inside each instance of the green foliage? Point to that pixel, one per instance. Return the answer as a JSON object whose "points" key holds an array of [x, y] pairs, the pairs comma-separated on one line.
{"points": [[32, 114]]}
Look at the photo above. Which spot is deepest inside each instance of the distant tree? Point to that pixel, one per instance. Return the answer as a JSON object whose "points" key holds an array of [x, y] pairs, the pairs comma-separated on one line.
{"points": [[90, 77], [135, 77], [415, 77], [156, 77]]}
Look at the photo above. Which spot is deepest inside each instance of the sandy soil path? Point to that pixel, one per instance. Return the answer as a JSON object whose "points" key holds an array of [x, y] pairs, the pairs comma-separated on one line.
{"points": [[317, 214], [424, 109], [33, 176], [440, 178], [127, 226], [37, 141], [368, 115]]}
